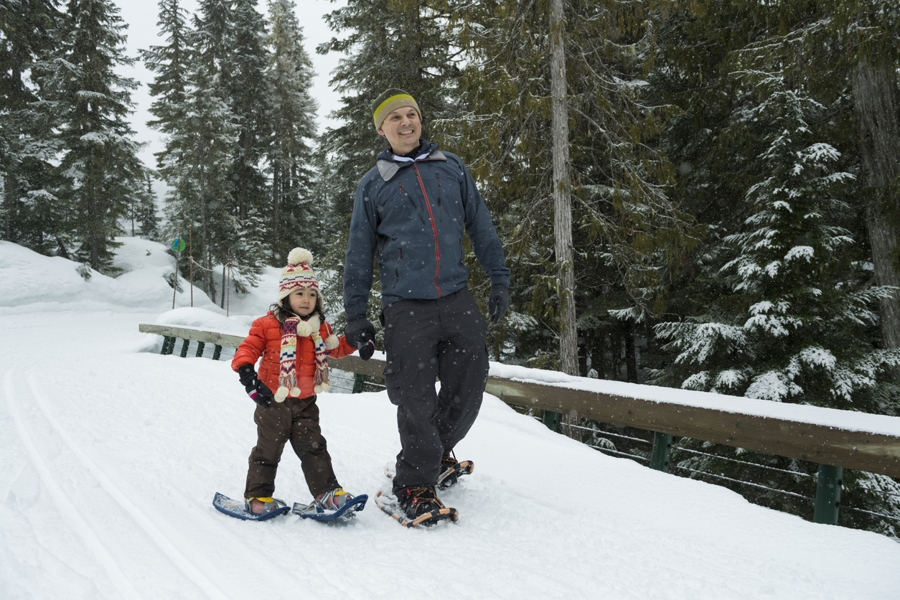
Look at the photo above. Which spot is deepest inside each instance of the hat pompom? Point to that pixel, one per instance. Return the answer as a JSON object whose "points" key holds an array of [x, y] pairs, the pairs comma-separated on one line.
{"points": [[300, 255], [295, 392], [322, 387], [303, 329], [280, 394]]}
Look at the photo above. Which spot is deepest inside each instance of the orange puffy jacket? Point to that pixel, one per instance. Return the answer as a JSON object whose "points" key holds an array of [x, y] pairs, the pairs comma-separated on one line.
{"points": [[264, 340]]}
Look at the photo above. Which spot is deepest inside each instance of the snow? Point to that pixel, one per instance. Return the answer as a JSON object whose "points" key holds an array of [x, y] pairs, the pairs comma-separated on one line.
{"points": [[112, 454]]}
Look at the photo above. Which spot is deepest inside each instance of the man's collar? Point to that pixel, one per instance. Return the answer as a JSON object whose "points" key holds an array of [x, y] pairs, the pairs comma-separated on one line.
{"points": [[388, 167]]}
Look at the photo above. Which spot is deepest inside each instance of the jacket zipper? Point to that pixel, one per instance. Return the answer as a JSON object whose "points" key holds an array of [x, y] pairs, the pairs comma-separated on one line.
{"points": [[437, 249]]}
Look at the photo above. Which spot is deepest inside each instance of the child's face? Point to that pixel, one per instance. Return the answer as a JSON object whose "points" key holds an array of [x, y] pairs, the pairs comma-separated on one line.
{"points": [[303, 301]]}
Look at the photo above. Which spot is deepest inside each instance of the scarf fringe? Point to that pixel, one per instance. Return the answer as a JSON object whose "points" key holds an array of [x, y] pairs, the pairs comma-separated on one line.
{"points": [[293, 328]]}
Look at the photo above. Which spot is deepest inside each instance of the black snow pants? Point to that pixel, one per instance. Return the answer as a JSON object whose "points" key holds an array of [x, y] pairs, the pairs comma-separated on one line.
{"points": [[296, 421], [424, 340]]}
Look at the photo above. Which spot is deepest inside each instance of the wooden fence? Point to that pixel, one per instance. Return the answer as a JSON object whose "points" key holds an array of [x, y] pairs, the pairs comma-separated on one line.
{"points": [[812, 438]]}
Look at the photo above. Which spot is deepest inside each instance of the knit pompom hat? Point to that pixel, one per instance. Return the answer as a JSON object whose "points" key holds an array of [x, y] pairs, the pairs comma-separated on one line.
{"points": [[388, 102], [298, 274]]}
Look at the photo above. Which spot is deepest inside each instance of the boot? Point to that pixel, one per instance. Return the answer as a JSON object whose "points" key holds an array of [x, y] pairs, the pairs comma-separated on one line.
{"points": [[261, 506]]}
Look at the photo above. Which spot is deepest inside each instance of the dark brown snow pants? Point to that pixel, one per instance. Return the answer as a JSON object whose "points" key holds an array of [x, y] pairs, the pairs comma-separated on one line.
{"points": [[295, 421]]}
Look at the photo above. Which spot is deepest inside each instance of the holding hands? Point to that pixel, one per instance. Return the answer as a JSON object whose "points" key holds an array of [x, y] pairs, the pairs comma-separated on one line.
{"points": [[361, 335]]}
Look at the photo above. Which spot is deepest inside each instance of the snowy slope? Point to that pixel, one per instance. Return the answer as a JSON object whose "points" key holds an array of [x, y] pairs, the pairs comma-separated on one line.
{"points": [[111, 455]]}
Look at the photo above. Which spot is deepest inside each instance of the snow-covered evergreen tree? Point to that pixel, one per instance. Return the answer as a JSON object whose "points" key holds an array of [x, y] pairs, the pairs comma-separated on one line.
{"points": [[249, 101], [794, 328], [289, 76], [99, 166], [30, 213]]}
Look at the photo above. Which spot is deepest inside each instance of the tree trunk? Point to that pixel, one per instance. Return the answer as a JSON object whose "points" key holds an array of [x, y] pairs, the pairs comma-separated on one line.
{"points": [[630, 352], [276, 215], [562, 203], [875, 104]]}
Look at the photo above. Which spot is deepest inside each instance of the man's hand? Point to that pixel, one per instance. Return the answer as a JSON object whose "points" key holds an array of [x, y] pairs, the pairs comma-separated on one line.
{"points": [[360, 333], [256, 389], [498, 303]]}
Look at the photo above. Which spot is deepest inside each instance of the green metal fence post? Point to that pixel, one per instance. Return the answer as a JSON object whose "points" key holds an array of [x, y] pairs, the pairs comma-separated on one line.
{"points": [[184, 347], [659, 458], [168, 345], [551, 420], [828, 494], [200, 347], [217, 352], [359, 383]]}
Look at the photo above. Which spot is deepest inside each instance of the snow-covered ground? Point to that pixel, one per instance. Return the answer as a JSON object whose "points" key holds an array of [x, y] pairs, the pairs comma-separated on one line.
{"points": [[111, 454]]}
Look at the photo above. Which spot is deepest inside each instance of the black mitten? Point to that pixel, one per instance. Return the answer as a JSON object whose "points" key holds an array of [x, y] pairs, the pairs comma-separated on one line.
{"points": [[498, 302], [367, 351], [256, 389], [361, 335]]}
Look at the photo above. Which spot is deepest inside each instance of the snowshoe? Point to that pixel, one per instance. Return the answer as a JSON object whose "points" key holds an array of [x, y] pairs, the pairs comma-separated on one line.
{"points": [[452, 470], [241, 510], [414, 507], [331, 506]]}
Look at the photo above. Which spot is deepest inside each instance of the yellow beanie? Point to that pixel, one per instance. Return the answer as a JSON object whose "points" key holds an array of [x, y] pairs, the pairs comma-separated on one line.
{"points": [[390, 101]]}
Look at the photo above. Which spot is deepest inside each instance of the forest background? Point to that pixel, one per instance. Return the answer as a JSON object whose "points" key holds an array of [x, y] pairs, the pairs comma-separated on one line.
{"points": [[691, 193]]}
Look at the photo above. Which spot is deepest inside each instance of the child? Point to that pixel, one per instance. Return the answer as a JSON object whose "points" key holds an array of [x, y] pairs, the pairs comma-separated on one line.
{"points": [[294, 341]]}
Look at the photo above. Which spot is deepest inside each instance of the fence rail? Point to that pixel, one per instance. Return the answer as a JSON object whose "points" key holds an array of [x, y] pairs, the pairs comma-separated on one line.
{"points": [[810, 438]]}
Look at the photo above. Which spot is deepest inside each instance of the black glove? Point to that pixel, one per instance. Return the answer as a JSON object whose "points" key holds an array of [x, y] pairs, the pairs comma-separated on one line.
{"points": [[360, 333], [498, 303], [256, 389]]}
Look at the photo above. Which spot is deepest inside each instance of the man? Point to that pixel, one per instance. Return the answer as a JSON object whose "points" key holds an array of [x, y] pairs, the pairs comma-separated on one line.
{"points": [[411, 211]]}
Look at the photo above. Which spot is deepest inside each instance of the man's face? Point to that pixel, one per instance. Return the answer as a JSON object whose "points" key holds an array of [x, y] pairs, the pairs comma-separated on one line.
{"points": [[402, 128]]}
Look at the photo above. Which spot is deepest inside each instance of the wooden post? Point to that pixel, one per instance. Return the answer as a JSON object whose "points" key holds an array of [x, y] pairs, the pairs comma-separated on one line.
{"points": [[168, 345], [184, 347], [217, 352], [200, 346], [359, 383], [659, 458], [551, 420], [828, 494], [175, 283]]}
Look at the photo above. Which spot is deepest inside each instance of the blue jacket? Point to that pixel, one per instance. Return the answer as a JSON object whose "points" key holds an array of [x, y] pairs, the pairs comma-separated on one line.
{"points": [[413, 215]]}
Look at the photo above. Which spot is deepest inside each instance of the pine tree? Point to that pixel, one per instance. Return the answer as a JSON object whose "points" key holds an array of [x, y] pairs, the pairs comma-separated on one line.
{"points": [[29, 212], [248, 99], [99, 164], [170, 63], [626, 230], [798, 334], [289, 78], [793, 328], [201, 199], [146, 211]]}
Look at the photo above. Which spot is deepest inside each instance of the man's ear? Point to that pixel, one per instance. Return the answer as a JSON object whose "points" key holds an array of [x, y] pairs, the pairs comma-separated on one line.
{"points": [[381, 132]]}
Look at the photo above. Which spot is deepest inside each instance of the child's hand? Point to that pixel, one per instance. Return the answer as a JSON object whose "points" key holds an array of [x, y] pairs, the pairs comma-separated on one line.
{"points": [[361, 335], [367, 351], [256, 389]]}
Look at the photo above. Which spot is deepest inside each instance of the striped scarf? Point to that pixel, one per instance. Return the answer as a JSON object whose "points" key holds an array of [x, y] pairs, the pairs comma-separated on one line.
{"points": [[293, 328]]}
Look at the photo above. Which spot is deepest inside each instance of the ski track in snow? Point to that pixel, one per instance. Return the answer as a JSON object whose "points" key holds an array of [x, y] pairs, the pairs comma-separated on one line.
{"points": [[162, 542], [64, 505]]}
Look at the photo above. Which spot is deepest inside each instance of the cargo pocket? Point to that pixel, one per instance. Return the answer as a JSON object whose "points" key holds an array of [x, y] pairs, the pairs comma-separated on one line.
{"points": [[396, 378]]}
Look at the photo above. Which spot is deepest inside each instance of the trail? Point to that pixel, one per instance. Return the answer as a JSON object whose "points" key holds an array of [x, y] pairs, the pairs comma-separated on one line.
{"points": [[111, 455]]}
